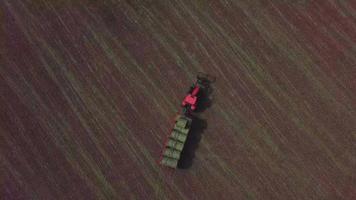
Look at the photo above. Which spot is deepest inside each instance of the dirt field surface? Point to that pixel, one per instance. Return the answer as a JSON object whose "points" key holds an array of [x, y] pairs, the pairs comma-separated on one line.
{"points": [[89, 89]]}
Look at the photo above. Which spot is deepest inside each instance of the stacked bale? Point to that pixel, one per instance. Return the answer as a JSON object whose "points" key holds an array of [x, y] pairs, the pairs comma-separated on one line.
{"points": [[176, 141]]}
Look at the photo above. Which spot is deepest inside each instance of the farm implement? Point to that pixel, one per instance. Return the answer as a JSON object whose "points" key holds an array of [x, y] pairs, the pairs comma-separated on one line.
{"points": [[175, 143], [182, 124]]}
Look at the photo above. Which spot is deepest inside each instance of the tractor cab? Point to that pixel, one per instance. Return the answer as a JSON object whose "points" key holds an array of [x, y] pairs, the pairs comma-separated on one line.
{"points": [[191, 100]]}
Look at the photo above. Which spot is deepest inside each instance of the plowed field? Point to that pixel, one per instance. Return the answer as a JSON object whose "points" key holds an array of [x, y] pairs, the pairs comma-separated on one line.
{"points": [[89, 89]]}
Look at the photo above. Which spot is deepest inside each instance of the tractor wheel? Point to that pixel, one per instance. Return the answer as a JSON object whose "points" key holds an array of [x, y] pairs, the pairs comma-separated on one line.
{"points": [[186, 110]]}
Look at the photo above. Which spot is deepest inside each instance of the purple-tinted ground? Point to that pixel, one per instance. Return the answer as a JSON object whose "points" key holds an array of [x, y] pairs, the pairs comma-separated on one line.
{"points": [[88, 92]]}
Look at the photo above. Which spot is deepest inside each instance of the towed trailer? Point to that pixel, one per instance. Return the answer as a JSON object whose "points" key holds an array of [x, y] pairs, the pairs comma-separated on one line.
{"points": [[175, 142]]}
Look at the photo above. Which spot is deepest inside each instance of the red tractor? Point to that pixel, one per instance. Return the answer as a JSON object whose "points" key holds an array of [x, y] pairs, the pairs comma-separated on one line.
{"points": [[176, 141], [190, 102]]}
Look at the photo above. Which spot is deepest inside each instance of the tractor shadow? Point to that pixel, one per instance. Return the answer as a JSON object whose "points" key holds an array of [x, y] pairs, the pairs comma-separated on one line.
{"points": [[192, 143], [205, 100]]}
